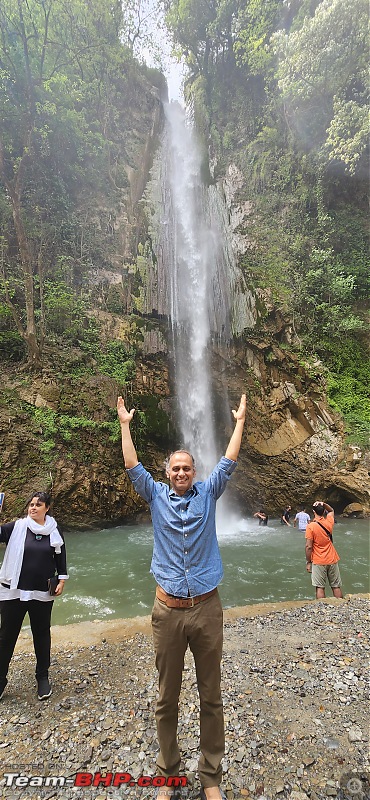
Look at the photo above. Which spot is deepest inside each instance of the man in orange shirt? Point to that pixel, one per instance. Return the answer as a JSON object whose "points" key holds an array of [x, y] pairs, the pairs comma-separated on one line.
{"points": [[320, 551]]}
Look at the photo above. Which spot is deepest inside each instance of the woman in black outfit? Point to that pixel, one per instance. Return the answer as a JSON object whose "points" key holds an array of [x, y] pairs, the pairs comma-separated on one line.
{"points": [[35, 552]]}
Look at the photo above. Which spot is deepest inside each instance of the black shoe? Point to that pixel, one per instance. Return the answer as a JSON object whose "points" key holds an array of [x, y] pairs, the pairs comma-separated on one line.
{"points": [[43, 688], [3, 682]]}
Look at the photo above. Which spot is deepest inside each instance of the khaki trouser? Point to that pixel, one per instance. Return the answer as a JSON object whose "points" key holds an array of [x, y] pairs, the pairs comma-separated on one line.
{"points": [[200, 627]]}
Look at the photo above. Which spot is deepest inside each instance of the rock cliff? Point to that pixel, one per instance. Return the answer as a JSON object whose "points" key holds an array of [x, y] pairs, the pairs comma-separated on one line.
{"points": [[293, 450], [58, 427]]}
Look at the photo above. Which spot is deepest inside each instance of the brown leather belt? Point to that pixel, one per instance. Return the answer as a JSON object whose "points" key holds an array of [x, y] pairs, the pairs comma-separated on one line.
{"points": [[181, 602]]}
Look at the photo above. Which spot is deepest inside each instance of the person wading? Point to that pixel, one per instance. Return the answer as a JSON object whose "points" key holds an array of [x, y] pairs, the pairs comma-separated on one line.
{"points": [[321, 555]]}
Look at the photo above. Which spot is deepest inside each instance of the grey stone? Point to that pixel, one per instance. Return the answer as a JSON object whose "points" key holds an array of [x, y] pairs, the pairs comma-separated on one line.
{"points": [[298, 796], [355, 734]]}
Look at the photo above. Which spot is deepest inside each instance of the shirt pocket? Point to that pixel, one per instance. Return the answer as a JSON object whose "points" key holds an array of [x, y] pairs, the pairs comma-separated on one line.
{"points": [[197, 508]]}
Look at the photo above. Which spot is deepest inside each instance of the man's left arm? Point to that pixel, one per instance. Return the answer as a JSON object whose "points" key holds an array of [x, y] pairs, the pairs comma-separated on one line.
{"points": [[232, 450]]}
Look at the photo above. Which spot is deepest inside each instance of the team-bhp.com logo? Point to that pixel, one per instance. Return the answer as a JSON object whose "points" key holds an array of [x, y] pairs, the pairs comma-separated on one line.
{"points": [[354, 786], [84, 779]]}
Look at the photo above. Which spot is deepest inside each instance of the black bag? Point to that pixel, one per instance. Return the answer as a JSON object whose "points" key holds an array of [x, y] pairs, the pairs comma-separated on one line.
{"points": [[52, 584]]}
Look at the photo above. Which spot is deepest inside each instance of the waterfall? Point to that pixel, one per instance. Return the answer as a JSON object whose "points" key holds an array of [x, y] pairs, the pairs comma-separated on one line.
{"points": [[195, 271]]}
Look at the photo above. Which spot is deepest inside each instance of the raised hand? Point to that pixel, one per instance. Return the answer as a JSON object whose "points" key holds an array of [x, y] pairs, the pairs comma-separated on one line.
{"points": [[124, 416], [241, 412], [128, 448], [232, 450]]}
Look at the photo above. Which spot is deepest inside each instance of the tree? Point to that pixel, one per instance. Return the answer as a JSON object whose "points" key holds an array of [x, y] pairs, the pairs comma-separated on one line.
{"points": [[141, 19], [323, 78], [53, 55], [203, 31]]}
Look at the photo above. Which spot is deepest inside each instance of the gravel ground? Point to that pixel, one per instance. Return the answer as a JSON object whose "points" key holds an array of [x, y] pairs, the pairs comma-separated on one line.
{"points": [[294, 688]]}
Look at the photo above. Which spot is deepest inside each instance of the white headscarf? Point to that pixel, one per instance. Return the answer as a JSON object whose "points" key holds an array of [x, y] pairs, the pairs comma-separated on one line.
{"points": [[13, 558]]}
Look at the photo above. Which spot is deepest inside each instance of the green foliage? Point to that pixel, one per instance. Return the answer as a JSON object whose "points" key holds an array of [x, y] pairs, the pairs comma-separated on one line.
{"points": [[116, 301], [45, 420], [56, 428], [140, 430], [113, 428], [12, 346], [330, 277], [68, 89], [116, 360], [322, 73], [285, 97], [256, 22], [191, 22], [156, 420], [348, 133], [45, 424], [348, 387], [68, 425], [65, 313]]}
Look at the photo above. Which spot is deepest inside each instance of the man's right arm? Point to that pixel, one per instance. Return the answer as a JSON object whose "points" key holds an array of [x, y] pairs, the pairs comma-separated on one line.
{"points": [[141, 479], [232, 450], [329, 510], [308, 550], [129, 453]]}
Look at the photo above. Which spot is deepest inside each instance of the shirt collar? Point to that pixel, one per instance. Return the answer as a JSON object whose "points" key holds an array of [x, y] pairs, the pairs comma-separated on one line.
{"points": [[190, 493]]}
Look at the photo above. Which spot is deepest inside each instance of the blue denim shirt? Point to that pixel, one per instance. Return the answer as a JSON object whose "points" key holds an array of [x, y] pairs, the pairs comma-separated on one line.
{"points": [[186, 558]]}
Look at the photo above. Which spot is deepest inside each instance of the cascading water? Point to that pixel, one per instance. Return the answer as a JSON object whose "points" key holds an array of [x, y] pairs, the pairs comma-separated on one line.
{"points": [[189, 291], [196, 269]]}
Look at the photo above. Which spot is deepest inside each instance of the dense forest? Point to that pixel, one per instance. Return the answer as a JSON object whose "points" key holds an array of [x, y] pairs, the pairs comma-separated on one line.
{"points": [[278, 89], [281, 89]]}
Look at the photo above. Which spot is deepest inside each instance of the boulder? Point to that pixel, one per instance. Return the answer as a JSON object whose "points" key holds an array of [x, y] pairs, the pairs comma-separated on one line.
{"points": [[353, 509]]}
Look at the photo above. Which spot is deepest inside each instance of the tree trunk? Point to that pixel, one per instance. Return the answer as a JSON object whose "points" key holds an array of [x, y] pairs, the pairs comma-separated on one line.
{"points": [[30, 334]]}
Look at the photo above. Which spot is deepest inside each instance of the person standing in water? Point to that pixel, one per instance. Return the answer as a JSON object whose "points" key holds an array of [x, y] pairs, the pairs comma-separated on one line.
{"points": [[262, 517], [302, 518], [321, 555], [285, 517]]}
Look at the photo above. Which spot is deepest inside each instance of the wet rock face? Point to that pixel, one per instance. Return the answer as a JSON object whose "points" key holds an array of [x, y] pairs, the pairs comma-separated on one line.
{"points": [[71, 440], [353, 510], [292, 449]]}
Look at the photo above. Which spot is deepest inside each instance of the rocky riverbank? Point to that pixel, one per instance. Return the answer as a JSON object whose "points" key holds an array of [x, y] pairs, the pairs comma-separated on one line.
{"points": [[294, 688]]}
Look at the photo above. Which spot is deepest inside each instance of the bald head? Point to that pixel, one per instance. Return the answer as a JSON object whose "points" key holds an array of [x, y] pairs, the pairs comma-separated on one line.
{"points": [[180, 469]]}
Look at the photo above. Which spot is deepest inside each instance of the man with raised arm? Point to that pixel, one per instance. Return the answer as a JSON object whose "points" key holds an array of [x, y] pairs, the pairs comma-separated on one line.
{"points": [[321, 555], [187, 611]]}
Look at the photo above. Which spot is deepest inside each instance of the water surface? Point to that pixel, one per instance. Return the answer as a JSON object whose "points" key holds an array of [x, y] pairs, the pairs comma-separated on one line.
{"points": [[109, 569]]}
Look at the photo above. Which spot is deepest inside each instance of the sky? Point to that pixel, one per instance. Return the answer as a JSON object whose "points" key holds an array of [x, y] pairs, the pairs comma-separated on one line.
{"points": [[173, 71], [175, 76]]}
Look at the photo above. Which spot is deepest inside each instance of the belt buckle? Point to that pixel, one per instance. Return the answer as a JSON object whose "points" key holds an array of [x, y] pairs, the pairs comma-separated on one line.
{"points": [[192, 602]]}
